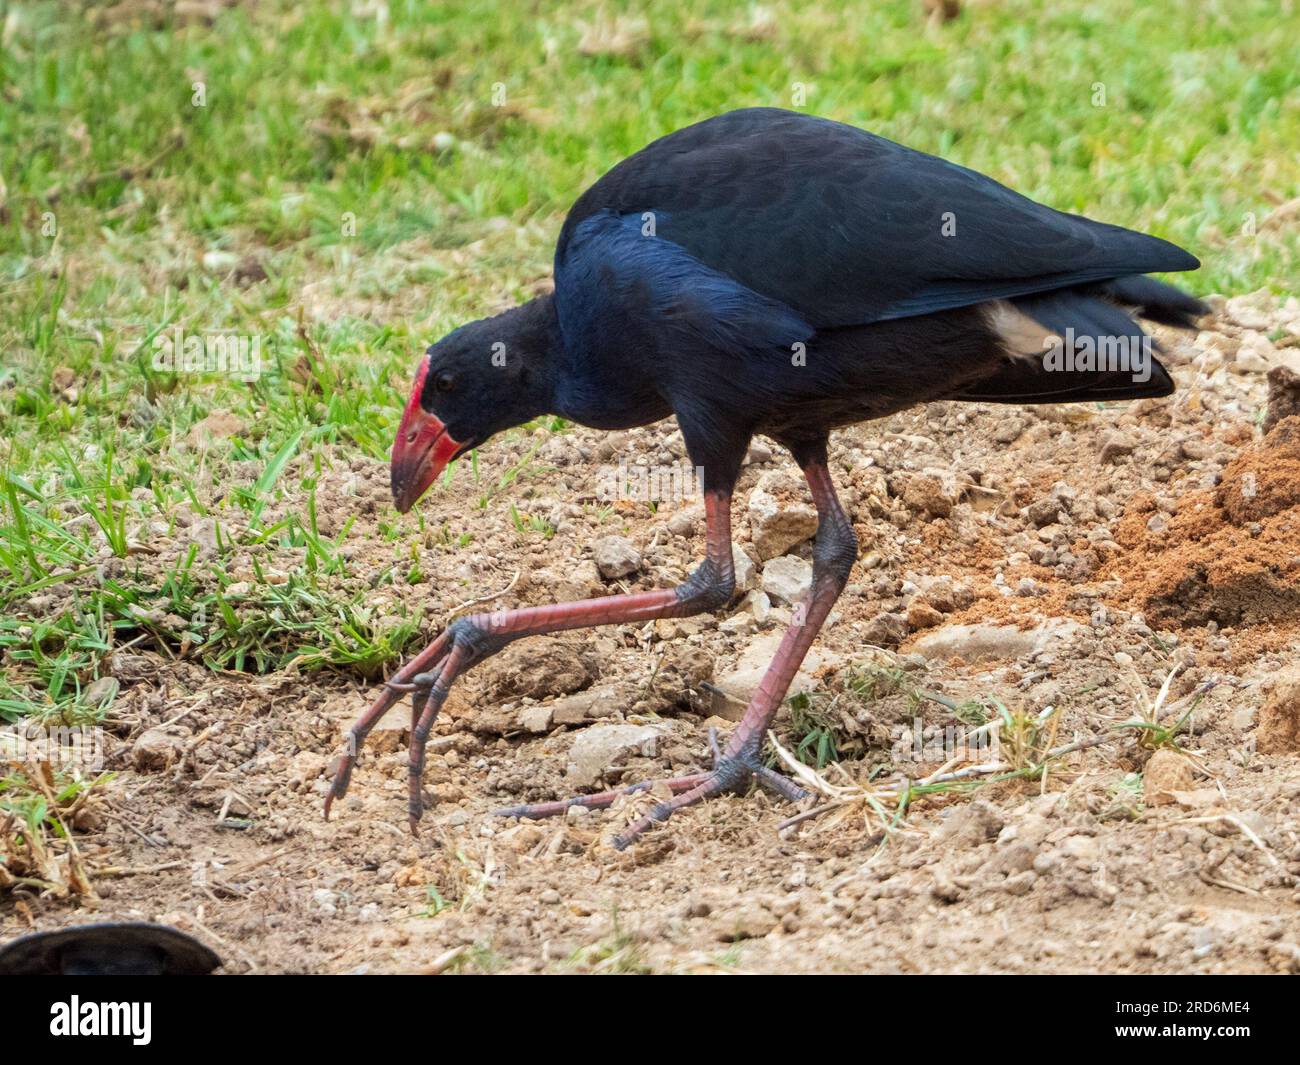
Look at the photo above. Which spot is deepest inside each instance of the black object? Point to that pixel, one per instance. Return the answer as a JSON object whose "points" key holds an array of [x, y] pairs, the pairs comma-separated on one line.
{"points": [[134, 948]]}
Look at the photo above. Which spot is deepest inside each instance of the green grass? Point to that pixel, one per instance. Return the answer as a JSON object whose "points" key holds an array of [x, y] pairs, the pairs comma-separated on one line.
{"points": [[394, 176]]}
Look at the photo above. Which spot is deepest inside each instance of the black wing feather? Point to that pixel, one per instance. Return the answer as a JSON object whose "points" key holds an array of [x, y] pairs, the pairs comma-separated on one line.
{"points": [[847, 228]]}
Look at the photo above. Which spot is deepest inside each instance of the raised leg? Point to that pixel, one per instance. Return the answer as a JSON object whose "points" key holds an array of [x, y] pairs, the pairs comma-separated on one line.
{"points": [[469, 640], [834, 553]]}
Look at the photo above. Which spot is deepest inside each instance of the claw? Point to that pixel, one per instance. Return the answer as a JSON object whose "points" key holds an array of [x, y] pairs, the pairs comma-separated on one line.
{"points": [[406, 679], [730, 772]]}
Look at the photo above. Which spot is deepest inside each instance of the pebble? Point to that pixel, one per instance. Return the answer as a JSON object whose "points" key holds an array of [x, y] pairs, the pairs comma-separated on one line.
{"points": [[776, 521], [155, 749], [749, 922], [615, 556], [682, 523], [787, 579], [597, 748], [746, 571]]}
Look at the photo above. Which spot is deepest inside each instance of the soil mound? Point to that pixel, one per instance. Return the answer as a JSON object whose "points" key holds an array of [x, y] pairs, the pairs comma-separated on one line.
{"points": [[1230, 554]]}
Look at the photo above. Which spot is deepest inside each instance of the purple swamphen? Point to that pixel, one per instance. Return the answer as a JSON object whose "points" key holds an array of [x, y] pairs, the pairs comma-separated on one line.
{"points": [[771, 272]]}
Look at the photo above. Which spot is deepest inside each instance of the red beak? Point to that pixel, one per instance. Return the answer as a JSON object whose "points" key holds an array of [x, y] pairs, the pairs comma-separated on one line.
{"points": [[422, 448]]}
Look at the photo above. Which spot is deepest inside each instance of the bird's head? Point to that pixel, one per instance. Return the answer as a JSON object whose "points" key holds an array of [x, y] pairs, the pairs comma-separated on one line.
{"points": [[484, 377]]}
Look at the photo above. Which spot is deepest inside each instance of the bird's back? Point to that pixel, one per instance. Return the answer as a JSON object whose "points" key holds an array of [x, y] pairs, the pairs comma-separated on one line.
{"points": [[847, 228]]}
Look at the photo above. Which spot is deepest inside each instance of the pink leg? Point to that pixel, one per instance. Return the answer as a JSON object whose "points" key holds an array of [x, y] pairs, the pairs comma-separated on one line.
{"points": [[833, 557], [471, 639]]}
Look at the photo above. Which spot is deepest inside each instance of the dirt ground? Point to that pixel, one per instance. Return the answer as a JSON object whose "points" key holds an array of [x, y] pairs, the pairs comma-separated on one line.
{"points": [[1069, 557]]}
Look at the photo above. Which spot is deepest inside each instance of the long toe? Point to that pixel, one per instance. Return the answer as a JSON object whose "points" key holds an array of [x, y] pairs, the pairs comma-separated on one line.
{"points": [[730, 773], [597, 801]]}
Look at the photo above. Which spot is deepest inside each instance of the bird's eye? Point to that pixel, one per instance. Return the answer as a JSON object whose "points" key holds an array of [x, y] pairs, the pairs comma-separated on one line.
{"points": [[444, 382]]}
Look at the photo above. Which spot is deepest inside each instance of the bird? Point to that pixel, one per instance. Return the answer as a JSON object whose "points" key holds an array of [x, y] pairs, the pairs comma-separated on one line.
{"points": [[770, 272]]}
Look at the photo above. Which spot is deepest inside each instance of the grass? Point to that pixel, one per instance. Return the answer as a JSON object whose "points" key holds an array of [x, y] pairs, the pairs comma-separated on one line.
{"points": [[619, 954], [826, 728], [342, 184], [36, 809]]}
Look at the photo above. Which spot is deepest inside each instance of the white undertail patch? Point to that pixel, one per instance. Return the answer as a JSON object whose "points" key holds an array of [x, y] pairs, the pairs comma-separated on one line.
{"points": [[1022, 337]]}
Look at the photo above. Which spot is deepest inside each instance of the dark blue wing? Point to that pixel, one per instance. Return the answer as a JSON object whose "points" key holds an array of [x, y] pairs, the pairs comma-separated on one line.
{"points": [[847, 228], [619, 281]]}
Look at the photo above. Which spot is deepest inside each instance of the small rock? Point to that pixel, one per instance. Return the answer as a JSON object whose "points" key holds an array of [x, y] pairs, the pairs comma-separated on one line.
{"points": [[758, 605], [1117, 444], [1251, 311], [1081, 848], [739, 683], [219, 261], [970, 825], [924, 496], [131, 669], [1249, 361], [983, 641], [778, 522], [1009, 431], [683, 522], [885, 630], [615, 556], [921, 615], [1020, 883], [537, 669], [579, 708], [154, 750], [741, 623], [787, 579], [236, 806], [391, 733], [536, 718], [749, 922], [944, 888], [1283, 394], [946, 596], [746, 571], [1279, 717], [1045, 512], [599, 747], [581, 581], [101, 692]]}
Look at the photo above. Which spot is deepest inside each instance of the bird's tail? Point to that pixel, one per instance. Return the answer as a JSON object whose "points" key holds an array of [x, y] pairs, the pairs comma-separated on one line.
{"points": [[1155, 300], [1105, 354]]}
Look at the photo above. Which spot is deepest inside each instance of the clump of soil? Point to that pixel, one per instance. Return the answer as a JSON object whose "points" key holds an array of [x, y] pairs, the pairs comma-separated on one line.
{"points": [[1283, 394], [1231, 554], [1279, 717]]}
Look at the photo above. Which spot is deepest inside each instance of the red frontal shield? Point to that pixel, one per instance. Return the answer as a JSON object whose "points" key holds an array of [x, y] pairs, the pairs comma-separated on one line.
{"points": [[422, 448]]}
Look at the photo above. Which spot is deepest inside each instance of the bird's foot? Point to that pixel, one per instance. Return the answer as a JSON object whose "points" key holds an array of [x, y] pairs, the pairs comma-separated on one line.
{"points": [[732, 771]]}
